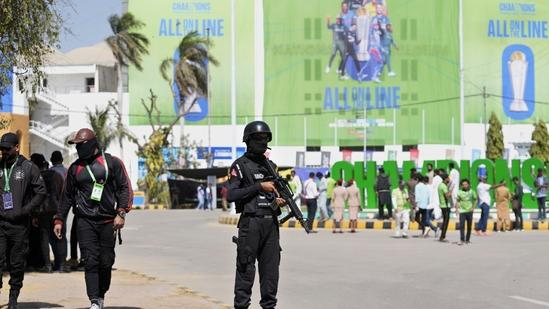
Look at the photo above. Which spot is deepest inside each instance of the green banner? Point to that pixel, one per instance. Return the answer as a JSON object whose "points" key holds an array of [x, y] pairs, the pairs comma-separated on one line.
{"points": [[166, 23], [505, 50], [327, 64]]}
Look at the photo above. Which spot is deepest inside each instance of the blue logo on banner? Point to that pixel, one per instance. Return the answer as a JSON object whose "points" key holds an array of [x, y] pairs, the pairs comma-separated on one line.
{"points": [[518, 81], [201, 105]]}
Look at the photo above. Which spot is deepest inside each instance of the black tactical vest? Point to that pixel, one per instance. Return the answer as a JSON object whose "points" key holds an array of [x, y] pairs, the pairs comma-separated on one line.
{"points": [[260, 204]]}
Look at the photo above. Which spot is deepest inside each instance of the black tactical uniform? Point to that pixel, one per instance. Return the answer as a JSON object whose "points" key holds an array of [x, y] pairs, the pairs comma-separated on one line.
{"points": [[23, 191], [258, 235]]}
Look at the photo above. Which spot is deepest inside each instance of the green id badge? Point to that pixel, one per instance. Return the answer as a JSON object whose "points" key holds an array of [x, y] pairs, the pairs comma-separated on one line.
{"points": [[97, 192]]}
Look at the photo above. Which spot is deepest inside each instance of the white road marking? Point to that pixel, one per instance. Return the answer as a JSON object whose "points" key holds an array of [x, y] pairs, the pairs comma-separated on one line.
{"points": [[532, 301]]}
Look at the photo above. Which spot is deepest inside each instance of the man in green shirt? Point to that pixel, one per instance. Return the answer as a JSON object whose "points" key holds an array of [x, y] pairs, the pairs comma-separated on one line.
{"points": [[444, 197], [330, 182], [466, 200]]}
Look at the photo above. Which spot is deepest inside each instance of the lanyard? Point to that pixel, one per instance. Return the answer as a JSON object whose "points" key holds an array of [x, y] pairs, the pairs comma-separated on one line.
{"points": [[106, 169], [7, 178]]}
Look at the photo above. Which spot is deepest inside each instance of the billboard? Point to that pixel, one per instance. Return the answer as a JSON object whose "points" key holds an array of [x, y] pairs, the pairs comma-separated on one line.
{"points": [[346, 73], [167, 22], [505, 51], [330, 63]]}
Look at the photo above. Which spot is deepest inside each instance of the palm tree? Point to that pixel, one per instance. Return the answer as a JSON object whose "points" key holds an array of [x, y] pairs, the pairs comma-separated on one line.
{"points": [[106, 131], [190, 73], [128, 47], [99, 122]]}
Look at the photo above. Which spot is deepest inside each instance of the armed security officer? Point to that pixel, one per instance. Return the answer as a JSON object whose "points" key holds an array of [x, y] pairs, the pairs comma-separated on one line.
{"points": [[98, 189], [23, 192], [257, 202]]}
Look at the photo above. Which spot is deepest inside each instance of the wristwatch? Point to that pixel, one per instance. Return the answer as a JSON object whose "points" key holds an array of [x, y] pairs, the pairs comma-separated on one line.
{"points": [[122, 214]]}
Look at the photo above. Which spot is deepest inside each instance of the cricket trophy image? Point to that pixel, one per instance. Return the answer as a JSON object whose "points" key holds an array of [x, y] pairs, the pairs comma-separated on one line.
{"points": [[518, 67]]}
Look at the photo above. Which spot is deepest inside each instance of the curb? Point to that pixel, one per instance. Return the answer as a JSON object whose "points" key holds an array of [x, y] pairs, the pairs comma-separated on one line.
{"points": [[151, 207], [530, 225]]}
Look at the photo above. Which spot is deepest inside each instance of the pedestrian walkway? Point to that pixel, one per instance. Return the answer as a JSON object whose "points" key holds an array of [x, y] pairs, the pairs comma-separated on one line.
{"points": [[129, 290], [370, 224]]}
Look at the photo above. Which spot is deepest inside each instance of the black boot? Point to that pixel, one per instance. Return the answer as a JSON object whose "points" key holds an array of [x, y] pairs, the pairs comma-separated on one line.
{"points": [[14, 294]]}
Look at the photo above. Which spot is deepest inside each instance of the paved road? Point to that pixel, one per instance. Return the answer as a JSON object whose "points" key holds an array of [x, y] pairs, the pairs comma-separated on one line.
{"points": [[129, 290], [368, 269]]}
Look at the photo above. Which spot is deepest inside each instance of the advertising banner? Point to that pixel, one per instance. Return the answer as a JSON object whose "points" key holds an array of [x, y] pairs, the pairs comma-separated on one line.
{"points": [[166, 23], [505, 50], [337, 63]]}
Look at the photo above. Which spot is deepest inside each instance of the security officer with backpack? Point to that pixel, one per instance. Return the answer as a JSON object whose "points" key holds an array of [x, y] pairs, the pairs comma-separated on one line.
{"points": [[257, 201], [99, 191]]}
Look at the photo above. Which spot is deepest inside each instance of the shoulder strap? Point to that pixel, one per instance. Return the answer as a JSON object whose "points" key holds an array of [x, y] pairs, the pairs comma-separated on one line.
{"points": [[245, 170]]}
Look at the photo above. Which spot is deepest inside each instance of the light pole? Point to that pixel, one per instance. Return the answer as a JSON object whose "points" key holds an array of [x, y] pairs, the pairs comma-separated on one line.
{"points": [[365, 138], [210, 155]]}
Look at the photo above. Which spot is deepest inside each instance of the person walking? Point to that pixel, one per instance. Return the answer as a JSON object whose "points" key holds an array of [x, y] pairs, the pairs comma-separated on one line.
{"points": [[401, 202], [23, 191], [258, 204], [330, 185], [322, 197], [56, 159], [453, 186], [339, 198], [224, 197], [298, 187], [484, 201], [311, 196], [430, 173], [383, 191], [517, 204], [503, 197], [209, 198], [444, 196], [434, 207], [98, 190], [466, 200], [200, 196], [44, 220], [415, 214], [541, 186], [354, 205], [423, 199]]}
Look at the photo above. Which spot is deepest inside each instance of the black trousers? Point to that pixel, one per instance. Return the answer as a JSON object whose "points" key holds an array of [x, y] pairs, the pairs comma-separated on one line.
{"points": [[518, 218], [97, 241], [258, 239], [445, 221], [14, 240], [384, 200], [419, 220], [311, 212], [48, 238], [74, 239], [465, 218]]}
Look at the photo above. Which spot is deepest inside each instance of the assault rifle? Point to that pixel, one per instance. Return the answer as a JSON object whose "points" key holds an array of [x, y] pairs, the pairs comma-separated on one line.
{"points": [[286, 194]]}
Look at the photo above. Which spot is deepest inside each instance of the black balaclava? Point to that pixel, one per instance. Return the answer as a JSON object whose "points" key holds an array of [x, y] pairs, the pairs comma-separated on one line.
{"points": [[257, 145], [87, 150]]}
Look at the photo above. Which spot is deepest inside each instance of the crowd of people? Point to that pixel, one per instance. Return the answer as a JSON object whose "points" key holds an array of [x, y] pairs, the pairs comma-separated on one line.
{"points": [[362, 35], [424, 199], [35, 203]]}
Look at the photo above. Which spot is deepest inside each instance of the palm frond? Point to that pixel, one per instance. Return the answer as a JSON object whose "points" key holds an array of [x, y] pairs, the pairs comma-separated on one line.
{"points": [[127, 45], [166, 65]]}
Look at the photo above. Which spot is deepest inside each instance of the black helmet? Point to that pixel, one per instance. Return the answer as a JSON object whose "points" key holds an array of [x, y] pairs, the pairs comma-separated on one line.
{"points": [[256, 127]]}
